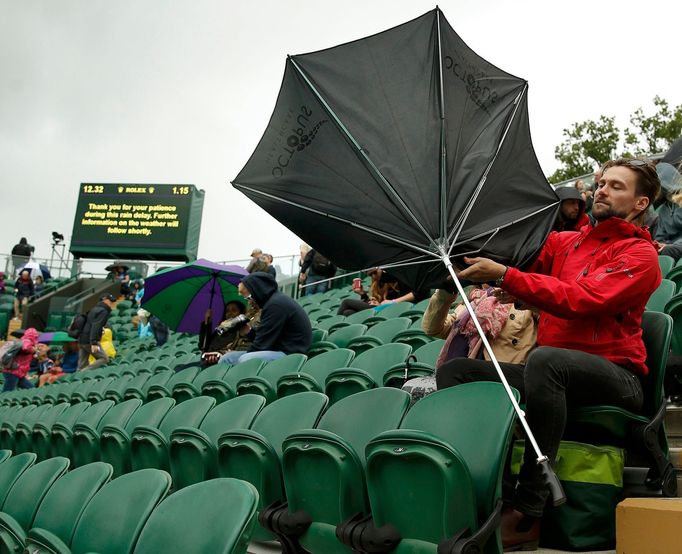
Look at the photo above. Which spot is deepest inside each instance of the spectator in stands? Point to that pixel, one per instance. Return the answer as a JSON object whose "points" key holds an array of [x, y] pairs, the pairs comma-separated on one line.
{"points": [[284, 326], [257, 264], [121, 274], [90, 338], [315, 272], [512, 332], [256, 253], [69, 359], [23, 291], [3, 286], [48, 370], [303, 249], [138, 291], [107, 344], [38, 285], [668, 232], [159, 329], [571, 216], [226, 336], [271, 268], [15, 376], [21, 253], [589, 335], [385, 289], [144, 328]]}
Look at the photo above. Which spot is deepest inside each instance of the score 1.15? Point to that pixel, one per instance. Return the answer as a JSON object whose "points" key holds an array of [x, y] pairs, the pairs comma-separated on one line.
{"points": [[180, 190], [93, 189]]}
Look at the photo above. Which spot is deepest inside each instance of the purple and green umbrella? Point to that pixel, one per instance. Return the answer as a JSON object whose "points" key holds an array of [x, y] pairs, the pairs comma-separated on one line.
{"points": [[55, 337], [180, 296]]}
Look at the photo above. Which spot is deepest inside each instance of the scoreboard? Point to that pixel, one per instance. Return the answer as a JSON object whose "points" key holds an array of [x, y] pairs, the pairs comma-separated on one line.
{"points": [[141, 221]]}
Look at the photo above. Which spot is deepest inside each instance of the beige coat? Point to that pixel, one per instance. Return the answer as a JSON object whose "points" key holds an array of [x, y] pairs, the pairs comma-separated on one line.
{"points": [[514, 342]]}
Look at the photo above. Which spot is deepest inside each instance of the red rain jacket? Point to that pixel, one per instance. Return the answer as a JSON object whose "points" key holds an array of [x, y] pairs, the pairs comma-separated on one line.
{"points": [[591, 286]]}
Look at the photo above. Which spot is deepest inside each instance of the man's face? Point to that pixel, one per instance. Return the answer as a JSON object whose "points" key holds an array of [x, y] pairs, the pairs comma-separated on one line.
{"points": [[616, 195], [570, 209]]}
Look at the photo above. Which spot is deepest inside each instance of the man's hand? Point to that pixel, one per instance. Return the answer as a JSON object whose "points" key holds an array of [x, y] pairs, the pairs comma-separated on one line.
{"points": [[504, 297], [481, 270], [94, 349], [245, 330]]}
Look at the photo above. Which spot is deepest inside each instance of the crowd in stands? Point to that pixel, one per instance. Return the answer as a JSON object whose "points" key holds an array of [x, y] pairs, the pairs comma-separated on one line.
{"points": [[567, 329]]}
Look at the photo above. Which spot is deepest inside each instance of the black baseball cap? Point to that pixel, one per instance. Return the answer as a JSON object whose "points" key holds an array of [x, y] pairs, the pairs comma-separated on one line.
{"points": [[110, 297]]}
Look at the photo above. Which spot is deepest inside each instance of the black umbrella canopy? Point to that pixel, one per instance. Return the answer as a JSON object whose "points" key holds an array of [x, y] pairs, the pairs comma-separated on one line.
{"points": [[403, 148]]}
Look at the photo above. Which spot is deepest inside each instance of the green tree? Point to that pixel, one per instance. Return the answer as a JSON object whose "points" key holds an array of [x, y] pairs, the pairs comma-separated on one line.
{"points": [[588, 144]]}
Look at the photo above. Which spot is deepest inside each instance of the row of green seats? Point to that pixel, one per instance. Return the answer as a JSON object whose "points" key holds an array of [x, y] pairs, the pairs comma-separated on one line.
{"points": [[45, 508]]}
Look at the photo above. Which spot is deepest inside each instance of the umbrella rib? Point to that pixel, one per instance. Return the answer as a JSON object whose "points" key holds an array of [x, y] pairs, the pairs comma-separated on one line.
{"points": [[509, 224], [443, 152], [458, 229], [362, 152], [392, 238]]}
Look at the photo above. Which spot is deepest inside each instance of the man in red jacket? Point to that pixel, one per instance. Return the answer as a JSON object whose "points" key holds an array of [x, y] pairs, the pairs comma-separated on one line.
{"points": [[591, 287]]}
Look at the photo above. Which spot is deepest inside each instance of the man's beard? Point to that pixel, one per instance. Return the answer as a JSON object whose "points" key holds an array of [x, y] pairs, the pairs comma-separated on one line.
{"points": [[608, 212]]}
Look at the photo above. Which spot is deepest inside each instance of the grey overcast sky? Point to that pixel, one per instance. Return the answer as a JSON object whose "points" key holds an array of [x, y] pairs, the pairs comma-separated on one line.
{"points": [[180, 91]]}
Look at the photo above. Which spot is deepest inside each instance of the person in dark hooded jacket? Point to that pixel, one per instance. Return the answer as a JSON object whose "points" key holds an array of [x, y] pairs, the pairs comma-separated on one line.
{"points": [[284, 326], [571, 216]]}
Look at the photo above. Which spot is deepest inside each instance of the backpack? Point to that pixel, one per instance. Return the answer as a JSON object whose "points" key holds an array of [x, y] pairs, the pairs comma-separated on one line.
{"points": [[76, 325], [321, 265], [8, 352]]}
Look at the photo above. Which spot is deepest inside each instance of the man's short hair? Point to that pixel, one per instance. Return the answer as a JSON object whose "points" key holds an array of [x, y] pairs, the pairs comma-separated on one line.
{"points": [[109, 297], [648, 183]]}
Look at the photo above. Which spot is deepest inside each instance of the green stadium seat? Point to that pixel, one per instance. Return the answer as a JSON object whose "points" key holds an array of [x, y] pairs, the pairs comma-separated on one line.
{"points": [[265, 382], [417, 311], [338, 338], [42, 430], [450, 476], [53, 391], [661, 296], [62, 431], [357, 317], [674, 309], [194, 451], [675, 275], [116, 390], [642, 435], [666, 263], [115, 439], [421, 363], [323, 469], [255, 454], [136, 384], [86, 434], [65, 502], [66, 391], [388, 311], [160, 390], [366, 371], [312, 376], [123, 306], [184, 390], [5, 455], [21, 440], [328, 322], [226, 387], [136, 391], [381, 333], [91, 391], [39, 395], [9, 425], [319, 334], [414, 335], [181, 524], [11, 470], [149, 445], [22, 502], [113, 520]]}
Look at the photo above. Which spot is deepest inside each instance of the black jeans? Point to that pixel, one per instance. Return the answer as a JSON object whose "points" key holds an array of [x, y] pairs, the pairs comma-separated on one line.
{"points": [[552, 381], [349, 306]]}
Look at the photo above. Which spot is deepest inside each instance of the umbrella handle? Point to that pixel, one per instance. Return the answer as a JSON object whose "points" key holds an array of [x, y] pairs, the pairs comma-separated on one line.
{"points": [[549, 477]]}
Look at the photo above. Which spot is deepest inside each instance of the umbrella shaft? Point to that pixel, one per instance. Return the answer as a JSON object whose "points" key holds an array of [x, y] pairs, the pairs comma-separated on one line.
{"points": [[522, 417]]}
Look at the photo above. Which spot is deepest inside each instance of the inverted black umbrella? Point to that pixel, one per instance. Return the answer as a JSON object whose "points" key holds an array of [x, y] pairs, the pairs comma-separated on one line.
{"points": [[406, 150]]}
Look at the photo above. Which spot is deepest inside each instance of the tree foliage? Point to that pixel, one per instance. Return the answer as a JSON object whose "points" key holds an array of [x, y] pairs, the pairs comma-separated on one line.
{"points": [[588, 144]]}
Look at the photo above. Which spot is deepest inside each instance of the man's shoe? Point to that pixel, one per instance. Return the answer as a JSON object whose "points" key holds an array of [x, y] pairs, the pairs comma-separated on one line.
{"points": [[519, 531]]}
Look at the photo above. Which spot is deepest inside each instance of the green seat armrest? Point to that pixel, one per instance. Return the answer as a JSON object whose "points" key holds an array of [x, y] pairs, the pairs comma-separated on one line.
{"points": [[12, 536], [41, 541]]}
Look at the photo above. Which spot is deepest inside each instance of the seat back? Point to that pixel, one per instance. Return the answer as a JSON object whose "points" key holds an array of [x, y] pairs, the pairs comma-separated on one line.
{"points": [[327, 323], [344, 335], [428, 354], [182, 524], [122, 507], [11, 470], [120, 413], [386, 330], [328, 361], [237, 413], [666, 263], [31, 487], [271, 372], [661, 296], [470, 424], [150, 413], [242, 370], [188, 414], [394, 310], [66, 500], [656, 334], [216, 371], [379, 359]]}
